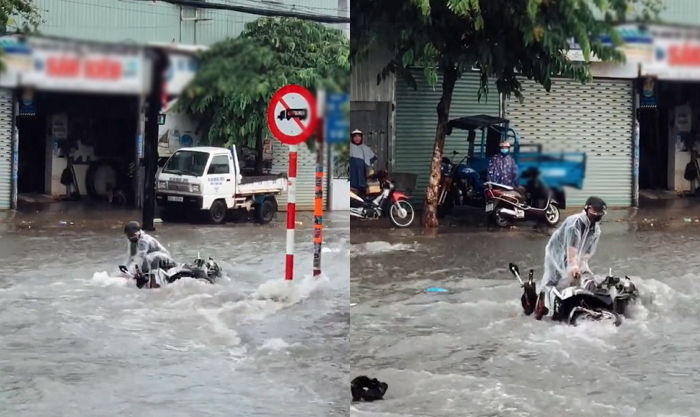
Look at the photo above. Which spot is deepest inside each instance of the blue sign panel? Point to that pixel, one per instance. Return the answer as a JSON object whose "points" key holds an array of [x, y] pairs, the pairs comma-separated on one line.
{"points": [[337, 124]]}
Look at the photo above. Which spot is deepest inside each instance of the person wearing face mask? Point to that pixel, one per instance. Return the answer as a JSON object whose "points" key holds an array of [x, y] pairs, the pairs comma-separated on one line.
{"points": [[568, 251], [502, 167], [361, 159], [145, 251]]}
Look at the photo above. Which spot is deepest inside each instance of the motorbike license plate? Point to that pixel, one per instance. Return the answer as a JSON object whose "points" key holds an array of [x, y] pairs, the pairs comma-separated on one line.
{"points": [[175, 198], [489, 207]]}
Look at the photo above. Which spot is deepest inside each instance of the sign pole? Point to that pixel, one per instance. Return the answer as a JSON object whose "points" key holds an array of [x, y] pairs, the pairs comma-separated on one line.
{"points": [[291, 211], [291, 117], [318, 201]]}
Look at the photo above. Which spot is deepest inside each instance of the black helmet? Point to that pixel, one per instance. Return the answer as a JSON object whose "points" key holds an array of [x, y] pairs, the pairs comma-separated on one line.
{"points": [[131, 228], [596, 203]]}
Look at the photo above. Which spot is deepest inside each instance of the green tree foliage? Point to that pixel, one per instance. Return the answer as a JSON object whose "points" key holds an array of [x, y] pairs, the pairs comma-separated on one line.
{"points": [[506, 40], [237, 77], [17, 16]]}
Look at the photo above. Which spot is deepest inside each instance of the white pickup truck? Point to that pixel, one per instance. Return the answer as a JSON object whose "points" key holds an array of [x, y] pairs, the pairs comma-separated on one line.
{"points": [[209, 180]]}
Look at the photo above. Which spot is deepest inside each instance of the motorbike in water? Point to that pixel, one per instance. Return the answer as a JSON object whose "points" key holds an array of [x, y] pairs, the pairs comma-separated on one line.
{"points": [[208, 271], [534, 201], [607, 301], [389, 202]]}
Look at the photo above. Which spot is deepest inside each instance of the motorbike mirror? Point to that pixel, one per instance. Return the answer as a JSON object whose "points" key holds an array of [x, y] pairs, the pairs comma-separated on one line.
{"points": [[516, 272], [123, 269]]}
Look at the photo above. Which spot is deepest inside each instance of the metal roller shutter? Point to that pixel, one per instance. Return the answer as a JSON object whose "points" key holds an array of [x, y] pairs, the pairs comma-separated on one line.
{"points": [[594, 118], [5, 149], [416, 120], [306, 175]]}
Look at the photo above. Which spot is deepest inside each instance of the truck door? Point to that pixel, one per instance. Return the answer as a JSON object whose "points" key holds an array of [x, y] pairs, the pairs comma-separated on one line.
{"points": [[221, 178]]}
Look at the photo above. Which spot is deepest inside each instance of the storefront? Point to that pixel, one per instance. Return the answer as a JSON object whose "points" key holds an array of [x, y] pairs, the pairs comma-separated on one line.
{"points": [[76, 110], [595, 118], [669, 111], [76, 125], [416, 120]]}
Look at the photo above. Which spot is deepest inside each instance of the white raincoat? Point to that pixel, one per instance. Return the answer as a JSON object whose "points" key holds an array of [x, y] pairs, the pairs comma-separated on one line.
{"points": [[570, 248], [147, 253]]}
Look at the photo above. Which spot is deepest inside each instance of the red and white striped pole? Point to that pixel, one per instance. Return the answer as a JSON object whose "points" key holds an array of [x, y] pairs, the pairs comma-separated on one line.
{"points": [[291, 211]]}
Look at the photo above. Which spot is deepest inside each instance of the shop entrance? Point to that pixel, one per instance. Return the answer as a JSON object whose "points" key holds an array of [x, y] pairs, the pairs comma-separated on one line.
{"points": [[80, 144], [31, 168], [669, 134]]}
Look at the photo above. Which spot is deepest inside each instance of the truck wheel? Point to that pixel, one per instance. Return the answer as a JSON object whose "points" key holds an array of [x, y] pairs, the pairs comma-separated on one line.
{"points": [[266, 211], [217, 212], [167, 214]]}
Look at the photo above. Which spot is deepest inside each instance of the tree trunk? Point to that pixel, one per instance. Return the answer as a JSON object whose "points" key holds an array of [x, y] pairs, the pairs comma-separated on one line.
{"points": [[443, 110]]}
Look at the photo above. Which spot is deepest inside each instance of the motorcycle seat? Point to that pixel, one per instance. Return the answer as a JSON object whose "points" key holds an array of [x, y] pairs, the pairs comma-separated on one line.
{"points": [[497, 185]]}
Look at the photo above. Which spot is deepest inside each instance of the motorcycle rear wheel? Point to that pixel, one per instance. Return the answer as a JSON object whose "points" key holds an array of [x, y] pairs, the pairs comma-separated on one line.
{"points": [[395, 212], [445, 209], [501, 220], [552, 215]]}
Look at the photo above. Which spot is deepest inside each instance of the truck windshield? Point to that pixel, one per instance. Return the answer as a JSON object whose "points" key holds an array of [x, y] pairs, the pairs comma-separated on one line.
{"points": [[187, 163]]}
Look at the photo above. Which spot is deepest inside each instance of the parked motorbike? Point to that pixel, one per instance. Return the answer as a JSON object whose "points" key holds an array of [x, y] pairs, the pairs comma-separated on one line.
{"points": [[389, 202], [460, 185], [208, 271], [608, 300], [534, 201]]}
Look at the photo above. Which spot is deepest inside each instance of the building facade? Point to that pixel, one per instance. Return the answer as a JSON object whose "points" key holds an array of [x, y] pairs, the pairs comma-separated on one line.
{"points": [[636, 122], [89, 70]]}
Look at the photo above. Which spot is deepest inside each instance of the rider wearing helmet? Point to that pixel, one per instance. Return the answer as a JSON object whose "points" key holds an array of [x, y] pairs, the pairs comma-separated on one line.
{"points": [[568, 252], [361, 158], [144, 250]]}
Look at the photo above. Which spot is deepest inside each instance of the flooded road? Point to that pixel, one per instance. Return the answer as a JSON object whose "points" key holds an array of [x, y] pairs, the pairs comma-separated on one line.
{"points": [[471, 351], [78, 341]]}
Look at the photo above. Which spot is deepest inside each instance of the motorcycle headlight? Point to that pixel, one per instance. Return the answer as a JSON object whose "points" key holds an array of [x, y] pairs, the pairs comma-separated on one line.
{"points": [[194, 188], [162, 185]]}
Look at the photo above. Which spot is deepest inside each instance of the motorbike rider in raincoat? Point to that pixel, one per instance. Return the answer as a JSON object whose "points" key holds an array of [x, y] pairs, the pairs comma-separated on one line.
{"points": [[145, 251], [567, 254]]}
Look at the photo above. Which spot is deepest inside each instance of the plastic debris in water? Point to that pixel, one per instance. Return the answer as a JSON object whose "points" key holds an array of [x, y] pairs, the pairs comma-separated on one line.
{"points": [[436, 289]]}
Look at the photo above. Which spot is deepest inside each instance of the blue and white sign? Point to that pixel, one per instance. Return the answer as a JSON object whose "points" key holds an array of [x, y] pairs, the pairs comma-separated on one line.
{"points": [[337, 123]]}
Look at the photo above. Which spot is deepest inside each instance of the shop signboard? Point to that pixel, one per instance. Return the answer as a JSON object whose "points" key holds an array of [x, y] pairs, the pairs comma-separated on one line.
{"points": [[69, 66], [676, 55], [181, 71]]}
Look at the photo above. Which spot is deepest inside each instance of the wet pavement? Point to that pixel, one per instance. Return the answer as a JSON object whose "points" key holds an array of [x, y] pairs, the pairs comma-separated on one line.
{"points": [[471, 352], [77, 340]]}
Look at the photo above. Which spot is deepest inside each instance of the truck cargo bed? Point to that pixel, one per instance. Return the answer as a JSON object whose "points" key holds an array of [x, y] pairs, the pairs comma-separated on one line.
{"points": [[262, 184]]}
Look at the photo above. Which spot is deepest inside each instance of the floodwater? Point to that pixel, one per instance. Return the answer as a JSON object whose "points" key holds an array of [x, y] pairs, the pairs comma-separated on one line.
{"points": [[471, 351], [77, 341]]}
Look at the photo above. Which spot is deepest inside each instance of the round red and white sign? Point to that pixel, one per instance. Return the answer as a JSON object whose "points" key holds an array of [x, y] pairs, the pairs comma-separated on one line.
{"points": [[291, 114]]}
